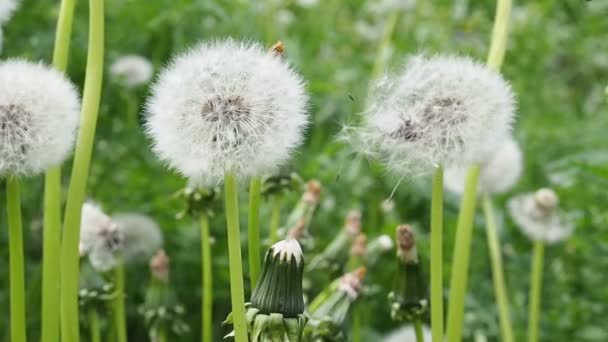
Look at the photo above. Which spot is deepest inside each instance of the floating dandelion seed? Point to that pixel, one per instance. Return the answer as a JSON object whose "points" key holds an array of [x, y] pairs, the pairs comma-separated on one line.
{"points": [[227, 107], [100, 238], [498, 173], [39, 112], [538, 216], [142, 236], [442, 110], [132, 70]]}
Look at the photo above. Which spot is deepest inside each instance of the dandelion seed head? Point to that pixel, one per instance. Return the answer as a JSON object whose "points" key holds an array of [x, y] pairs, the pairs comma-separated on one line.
{"points": [[499, 172], [100, 238], [227, 107], [142, 236], [537, 215], [440, 110], [7, 8], [39, 113], [132, 70]]}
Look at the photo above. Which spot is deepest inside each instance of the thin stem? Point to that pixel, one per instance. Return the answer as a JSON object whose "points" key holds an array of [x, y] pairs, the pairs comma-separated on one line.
{"points": [[462, 251], [387, 36], [161, 335], [356, 326], [120, 316], [52, 197], [16, 263], [237, 292], [418, 331], [70, 331], [437, 256], [498, 276], [275, 219], [499, 34], [535, 290], [94, 326], [207, 298], [253, 229]]}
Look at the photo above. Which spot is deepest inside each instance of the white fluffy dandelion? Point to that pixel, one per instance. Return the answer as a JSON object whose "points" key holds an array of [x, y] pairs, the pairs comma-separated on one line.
{"points": [[227, 107], [39, 113], [142, 236], [132, 70], [7, 8], [538, 216], [441, 110], [499, 172], [100, 238]]}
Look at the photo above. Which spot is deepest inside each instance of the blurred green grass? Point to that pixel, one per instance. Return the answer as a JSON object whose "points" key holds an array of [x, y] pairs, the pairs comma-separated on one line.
{"points": [[557, 61]]}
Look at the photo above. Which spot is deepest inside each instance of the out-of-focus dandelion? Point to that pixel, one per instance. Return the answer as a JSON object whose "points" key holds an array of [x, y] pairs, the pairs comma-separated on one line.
{"points": [[336, 254], [142, 236], [132, 70], [307, 3], [101, 240], [408, 334]]}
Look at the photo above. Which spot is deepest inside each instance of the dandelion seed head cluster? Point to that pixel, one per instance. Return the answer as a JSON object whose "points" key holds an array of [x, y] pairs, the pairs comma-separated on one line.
{"points": [[441, 110], [227, 107], [132, 70], [499, 172], [142, 236], [100, 238], [39, 113]]}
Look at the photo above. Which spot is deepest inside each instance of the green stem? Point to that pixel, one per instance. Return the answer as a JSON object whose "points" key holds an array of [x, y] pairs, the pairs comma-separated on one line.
{"points": [[418, 331], [437, 256], [120, 316], [16, 263], [94, 326], [497, 271], [535, 289], [356, 326], [52, 197], [70, 331], [499, 34], [207, 298], [161, 335], [237, 292], [387, 35], [460, 262], [275, 219], [253, 229]]}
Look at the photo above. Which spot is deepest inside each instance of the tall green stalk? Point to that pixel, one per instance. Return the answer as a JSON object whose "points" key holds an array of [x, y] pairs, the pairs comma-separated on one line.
{"points": [[253, 229], [462, 251], [237, 292], [207, 279], [356, 325], [275, 219], [94, 326], [498, 275], [120, 315], [387, 35], [70, 331], [535, 290], [460, 263], [418, 331], [52, 197], [16, 262], [437, 256]]}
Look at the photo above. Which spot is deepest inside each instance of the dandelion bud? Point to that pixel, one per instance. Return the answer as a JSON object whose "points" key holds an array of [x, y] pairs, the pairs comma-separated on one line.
{"points": [[39, 114], [539, 218], [160, 266], [100, 238], [307, 205], [313, 192], [336, 254], [377, 247], [227, 107], [142, 236], [438, 111], [499, 172], [132, 70], [94, 291], [409, 297], [276, 311], [280, 184]]}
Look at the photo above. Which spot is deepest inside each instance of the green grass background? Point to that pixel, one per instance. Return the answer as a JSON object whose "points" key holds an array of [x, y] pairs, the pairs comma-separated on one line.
{"points": [[557, 61]]}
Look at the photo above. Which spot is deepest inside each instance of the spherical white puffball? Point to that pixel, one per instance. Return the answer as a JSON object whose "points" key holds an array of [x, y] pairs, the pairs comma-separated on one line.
{"points": [[100, 238], [499, 172], [7, 7], [142, 236], [441, 110], [132, 70], [227, 107], [537, 215], [39, 116]]}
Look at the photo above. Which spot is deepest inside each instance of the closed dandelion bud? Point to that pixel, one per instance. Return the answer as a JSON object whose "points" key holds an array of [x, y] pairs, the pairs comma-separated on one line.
{"points": [[358, 252], [227, 107], [141, 234], [101, 240], [39, 114], [538, 216], [331, 308], [409, 297], [280, 184], [377, 247], [440, 110], [276, 311], [499, 172], [336, 254], [161, 311], [132, 70], [307, 205], [94, 291], [198, 201]]}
